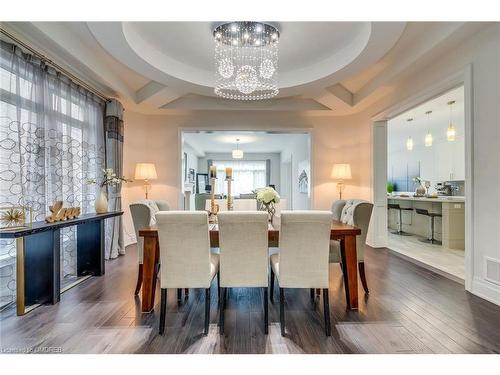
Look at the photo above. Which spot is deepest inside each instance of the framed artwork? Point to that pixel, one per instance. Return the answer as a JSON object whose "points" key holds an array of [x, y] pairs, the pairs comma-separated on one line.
{"points": [[303, 176], [202, 185]]}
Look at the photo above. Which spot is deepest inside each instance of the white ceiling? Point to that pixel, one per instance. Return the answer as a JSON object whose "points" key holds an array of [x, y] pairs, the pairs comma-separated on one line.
{"points": [[165, 67], [399, 129], [251, 142]]}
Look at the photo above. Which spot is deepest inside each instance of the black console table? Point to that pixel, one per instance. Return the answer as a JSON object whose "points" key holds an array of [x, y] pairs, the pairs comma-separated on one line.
{"points": [[38, 257]]}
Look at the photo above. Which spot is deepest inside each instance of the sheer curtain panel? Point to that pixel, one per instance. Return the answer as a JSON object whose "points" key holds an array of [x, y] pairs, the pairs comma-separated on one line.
{"points": [[113, 124], [51, 142]]}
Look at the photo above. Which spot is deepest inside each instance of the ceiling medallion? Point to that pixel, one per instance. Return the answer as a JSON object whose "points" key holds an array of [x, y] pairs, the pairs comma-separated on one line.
{"points": [[246, 60]]}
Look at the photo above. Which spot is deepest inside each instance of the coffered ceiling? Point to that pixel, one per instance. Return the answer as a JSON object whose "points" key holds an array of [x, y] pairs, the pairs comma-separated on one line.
{"points": [[163, 67]]}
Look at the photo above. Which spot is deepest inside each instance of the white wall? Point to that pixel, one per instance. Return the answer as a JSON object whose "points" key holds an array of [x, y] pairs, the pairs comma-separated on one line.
{"points": [[298, 151], [155, 138], [273, 157]]}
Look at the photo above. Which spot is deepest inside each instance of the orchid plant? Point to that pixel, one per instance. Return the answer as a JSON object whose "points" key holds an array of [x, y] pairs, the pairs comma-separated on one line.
{"points": [[109, 179]]}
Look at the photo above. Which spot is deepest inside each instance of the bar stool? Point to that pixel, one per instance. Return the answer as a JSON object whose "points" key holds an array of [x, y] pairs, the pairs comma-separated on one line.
{"points": [[400, 224], [432, 215]]}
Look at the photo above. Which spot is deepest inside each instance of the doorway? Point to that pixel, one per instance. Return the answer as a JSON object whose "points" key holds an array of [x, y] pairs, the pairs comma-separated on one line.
{"points": [[453, 260], [256, 159]]}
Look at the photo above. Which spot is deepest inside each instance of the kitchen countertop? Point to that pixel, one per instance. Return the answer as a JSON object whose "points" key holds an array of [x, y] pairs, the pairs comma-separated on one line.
{"points": [[440, 199]]}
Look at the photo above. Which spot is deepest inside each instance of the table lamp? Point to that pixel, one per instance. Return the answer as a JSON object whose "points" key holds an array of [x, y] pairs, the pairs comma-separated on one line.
{"points": [[146, 172], [341, 172]]}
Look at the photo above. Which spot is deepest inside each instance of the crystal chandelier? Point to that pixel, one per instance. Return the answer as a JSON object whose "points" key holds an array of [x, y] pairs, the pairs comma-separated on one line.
{"points": [[246, 60]]}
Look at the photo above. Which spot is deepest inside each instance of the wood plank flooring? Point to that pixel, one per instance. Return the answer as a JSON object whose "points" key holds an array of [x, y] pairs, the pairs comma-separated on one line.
{"points": [[409, 310]]}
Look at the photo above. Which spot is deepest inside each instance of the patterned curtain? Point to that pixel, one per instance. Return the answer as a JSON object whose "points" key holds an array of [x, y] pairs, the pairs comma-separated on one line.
{"points": [[51, 143], [113, 124]]}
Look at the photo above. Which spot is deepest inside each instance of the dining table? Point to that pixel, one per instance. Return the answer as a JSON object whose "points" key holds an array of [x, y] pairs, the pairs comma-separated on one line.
{"points": [[344, 233]]}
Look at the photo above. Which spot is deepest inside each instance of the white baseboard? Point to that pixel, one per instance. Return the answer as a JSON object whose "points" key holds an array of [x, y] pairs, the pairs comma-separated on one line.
{"points": [[486, 290]]}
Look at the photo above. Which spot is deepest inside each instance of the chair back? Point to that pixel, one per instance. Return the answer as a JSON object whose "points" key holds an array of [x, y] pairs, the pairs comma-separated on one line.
{"points": [[337, 208], [184, 249], [143, 215], [244, 254], [304, 249], [245, 204], [358, 212]]}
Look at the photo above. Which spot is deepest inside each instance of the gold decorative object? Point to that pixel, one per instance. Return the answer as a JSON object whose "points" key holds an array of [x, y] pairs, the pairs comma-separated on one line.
{"points": [[229, 179], [214, 208], [14, 217], [58, 213]]}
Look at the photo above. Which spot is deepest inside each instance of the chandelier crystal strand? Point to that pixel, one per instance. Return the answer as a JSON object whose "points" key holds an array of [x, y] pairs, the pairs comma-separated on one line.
{"points": [[246, 60]]}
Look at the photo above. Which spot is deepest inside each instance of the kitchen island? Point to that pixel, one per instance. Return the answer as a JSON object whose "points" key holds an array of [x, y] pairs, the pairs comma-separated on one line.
{"points": [[449, 229]]}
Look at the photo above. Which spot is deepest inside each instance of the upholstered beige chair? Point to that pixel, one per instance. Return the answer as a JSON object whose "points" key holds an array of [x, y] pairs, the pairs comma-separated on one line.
{"points": [[355, 212], [185, 257], [143, 215], [302, 261], [244, 259]]}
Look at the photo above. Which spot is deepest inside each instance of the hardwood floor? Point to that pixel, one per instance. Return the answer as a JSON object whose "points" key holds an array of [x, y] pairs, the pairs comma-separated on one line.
{"points": [[409, 310]]}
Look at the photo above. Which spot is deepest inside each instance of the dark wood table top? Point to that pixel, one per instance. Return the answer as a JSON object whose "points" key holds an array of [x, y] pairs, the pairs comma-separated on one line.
{"points": [[338, 230], [42, 226]]}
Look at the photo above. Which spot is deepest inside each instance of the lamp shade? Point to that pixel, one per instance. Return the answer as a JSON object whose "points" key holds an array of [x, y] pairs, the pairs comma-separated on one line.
{"points": [[341, 172], [145, 171]]}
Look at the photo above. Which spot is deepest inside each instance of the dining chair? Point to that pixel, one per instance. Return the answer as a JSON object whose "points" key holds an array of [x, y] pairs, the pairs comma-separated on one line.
{"points": [[302, 261], [185, 257], [143, 215], [355, 212], [244, 258]]}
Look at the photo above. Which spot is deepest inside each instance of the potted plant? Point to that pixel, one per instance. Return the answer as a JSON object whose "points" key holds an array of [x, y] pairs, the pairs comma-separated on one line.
{"points": [[267, 197], [109, 178], [391, 186]]}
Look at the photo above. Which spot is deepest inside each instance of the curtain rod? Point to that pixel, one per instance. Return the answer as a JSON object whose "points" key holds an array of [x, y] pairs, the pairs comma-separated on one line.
{"points": [[53, 64]]}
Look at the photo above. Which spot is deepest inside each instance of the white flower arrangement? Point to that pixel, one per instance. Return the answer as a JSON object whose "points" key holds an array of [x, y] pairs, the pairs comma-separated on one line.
{"points": [[267, 195], [109, 178]]}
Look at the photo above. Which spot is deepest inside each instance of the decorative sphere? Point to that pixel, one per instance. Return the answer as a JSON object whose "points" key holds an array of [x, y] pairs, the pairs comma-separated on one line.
{"points": [[246, 79], [226, 68], [267, 69]]}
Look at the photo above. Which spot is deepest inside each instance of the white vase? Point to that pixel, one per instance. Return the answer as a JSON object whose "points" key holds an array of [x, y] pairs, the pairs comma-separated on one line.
{"points": [[101, 202]]}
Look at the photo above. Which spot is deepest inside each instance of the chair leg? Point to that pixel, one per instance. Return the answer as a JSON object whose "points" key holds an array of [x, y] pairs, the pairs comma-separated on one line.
{"points": [[362, 275], [271, 286], [207, 309], [186, 292], [282, 311], [326, 311], [266, 312], [139, 280], [221, 311], [179, 295], [312, 295], [163, 310]]}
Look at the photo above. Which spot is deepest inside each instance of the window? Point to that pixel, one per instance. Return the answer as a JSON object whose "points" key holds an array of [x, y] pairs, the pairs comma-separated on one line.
{"points": [[51, 142], [247, 175]]}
